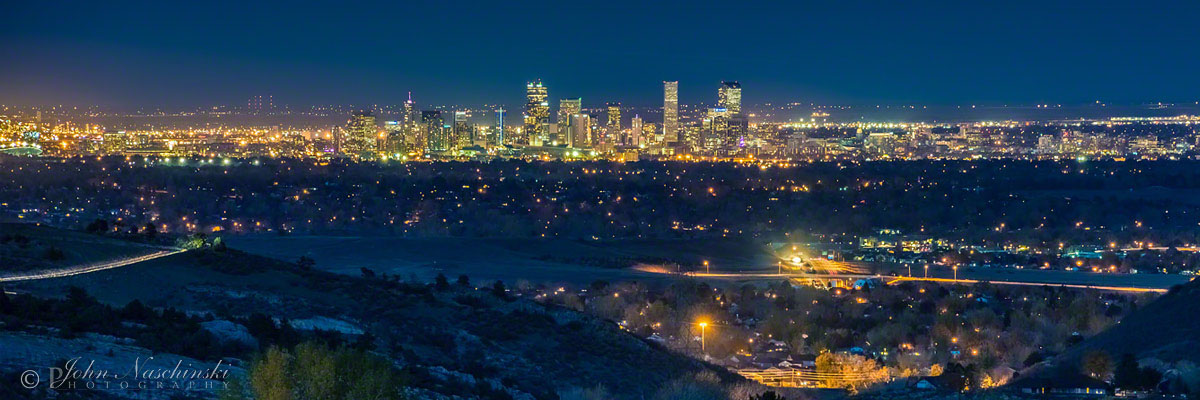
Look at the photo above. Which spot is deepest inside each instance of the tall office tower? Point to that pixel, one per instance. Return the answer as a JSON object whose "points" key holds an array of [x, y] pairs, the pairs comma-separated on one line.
{"points": [[714, 129], [500, 126], [729, 97], [567, 108], [436, 135], [650, 135], [537, 114], [463, 131], [408, 116], [671, 111], [635, 131], [613, 127], [361, 135], [581, 131], [395, 139]]}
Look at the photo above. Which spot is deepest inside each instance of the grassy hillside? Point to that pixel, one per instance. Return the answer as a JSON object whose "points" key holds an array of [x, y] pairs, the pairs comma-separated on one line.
{"points": [[25, 247], [1167, 329], [454, 340]]}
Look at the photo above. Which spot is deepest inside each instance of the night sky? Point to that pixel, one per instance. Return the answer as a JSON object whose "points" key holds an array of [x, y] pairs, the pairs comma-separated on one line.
{"points": [[164, 54]]}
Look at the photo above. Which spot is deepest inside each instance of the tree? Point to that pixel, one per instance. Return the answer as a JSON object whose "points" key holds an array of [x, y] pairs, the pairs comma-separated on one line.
{"points": [[97, 226], [1034, 358], [306, 262], [269, 376], [958, 377], [702, 386], [1127, 375], [440, 283], [464, 281], [849, 371], [5, 304], [498, 289], [315, 371], [768, 395], [1097, 364]]}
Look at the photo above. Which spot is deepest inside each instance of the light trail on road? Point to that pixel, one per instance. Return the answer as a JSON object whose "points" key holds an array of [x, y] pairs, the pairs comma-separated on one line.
{"points": [[899, 279], [84, 269], [891, 280]]}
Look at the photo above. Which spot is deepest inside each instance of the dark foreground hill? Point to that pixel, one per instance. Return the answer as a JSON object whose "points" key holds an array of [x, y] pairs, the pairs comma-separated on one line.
{"points": [[1164, 334], [1167, 329], [452, 339]]}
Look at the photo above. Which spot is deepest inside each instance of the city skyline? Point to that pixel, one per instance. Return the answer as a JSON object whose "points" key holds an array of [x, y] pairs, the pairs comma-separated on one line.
{"points": [[165, 55]]}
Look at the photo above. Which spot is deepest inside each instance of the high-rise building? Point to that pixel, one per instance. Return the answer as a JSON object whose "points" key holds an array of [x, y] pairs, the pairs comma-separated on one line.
{"points": [[395, 137], [671, 111], [464, 133], [436, 135], [361, 136], [537, 114], [409, 116], [612, 129], [500, 126], [567, 108], [714, 129], [729, 97], [635, 131], [581, 131]]}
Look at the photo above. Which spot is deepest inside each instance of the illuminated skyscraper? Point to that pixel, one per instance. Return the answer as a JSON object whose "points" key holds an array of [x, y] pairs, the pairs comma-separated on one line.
{"points": [[361, 136], [409, 116], [729, 97], [714, 129], [500, 126], [464, 133], [395, 144], [436, 134], [537, 114], [404, 135], [581, 131], [567, 108], [671, 111], [613, 127], [635, 131]]}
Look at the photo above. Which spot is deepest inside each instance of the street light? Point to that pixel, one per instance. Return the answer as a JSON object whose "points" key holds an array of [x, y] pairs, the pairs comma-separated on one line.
{"points": [[706, 270], [956, 273], [702, 326], [926, 271]]}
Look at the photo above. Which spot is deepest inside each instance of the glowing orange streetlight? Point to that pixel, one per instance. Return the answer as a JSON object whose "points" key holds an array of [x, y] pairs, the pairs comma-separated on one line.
{"points": [[956, 273], [702, 326], [706, 270]]}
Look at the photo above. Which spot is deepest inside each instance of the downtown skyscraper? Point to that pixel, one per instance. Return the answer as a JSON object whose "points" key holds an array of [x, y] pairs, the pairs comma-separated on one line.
{"points": [[361, 136], [729, 97], [566, 109], [612, 129], [671, 112], [537, 114], [437, 134]]}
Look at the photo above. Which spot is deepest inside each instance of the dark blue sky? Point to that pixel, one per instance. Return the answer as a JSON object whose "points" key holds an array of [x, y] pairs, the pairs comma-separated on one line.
{"points": [[166, 53]]}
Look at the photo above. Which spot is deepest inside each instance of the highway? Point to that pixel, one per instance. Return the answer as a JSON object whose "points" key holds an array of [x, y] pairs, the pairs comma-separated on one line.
{"points": [[88, 268], [823, 269]]}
